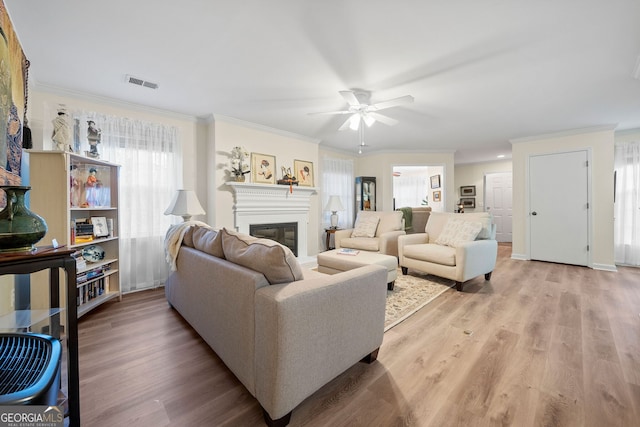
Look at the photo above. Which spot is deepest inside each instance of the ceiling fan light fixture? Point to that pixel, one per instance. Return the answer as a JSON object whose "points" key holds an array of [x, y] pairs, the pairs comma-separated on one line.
{"points": [[354, 122], [369, 121]]}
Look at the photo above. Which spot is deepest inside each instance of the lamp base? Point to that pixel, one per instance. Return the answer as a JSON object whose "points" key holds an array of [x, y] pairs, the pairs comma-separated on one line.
{"points": [[334, 219]]}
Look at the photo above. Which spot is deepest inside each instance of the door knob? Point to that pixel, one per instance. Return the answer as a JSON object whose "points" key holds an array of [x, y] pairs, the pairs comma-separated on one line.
{"points": [[534, 213]]}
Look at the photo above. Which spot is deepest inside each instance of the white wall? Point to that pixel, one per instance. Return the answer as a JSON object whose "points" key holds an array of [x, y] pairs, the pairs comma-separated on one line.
{"points": [[599, 141], [229, 133], [473, 174]]}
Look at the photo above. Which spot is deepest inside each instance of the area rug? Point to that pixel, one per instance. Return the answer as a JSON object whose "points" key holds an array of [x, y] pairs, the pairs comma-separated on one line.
{"points": [[410, 294]]}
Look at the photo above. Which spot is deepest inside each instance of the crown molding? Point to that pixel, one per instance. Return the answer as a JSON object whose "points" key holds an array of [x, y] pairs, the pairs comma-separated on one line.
{"points": [[256, 126], [570, 132], [113, 102]]}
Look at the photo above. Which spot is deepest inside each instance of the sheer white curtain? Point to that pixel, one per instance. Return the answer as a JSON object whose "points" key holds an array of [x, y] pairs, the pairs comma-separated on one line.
{"points": [[627, 203], [150, 156], [338, 180], [409, 191]]}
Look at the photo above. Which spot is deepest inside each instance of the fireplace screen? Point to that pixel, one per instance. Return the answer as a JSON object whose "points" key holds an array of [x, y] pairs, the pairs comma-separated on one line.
{"points": [[284, 233]]}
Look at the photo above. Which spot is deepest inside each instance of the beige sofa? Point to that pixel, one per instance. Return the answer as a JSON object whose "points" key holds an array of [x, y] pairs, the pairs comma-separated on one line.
{"points": [[448, 248], [383, 237], [282, 330]]}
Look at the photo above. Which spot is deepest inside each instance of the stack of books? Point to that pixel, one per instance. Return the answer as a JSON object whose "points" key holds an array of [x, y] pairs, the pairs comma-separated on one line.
{"points": [[83, 231], [81, 263]]}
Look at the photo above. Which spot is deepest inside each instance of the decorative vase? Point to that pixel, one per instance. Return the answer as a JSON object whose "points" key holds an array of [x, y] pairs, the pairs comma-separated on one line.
{"points": [[240, 178], [20, 229]]}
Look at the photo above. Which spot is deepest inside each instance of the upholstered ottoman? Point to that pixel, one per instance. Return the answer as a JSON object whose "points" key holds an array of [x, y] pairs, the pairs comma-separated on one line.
{"points": [[332, 262]]}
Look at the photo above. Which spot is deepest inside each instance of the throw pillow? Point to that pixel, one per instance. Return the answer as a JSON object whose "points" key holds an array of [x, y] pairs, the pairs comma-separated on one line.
{"points": [[457, 231], [275, 261], [208, 241], [366, 225]]}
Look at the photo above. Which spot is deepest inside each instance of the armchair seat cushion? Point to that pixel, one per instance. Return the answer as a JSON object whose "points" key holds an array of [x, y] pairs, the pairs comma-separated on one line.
{"points": [[362, 243], [431, 252]]}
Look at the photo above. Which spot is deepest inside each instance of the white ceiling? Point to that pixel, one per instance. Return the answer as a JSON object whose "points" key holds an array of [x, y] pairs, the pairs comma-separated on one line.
{"points": [[481, 72]]}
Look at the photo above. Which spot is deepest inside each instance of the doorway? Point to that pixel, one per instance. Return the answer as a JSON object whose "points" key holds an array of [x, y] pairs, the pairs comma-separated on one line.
{"points": [[559, 215], [498, 200], [415, 186]]}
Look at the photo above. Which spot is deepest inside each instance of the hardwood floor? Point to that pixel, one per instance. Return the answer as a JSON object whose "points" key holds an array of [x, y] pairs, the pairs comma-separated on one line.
{"points": [[540, 345]]}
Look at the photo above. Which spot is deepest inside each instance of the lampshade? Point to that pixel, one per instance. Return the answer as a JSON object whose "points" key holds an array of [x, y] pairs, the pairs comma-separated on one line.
{"points": [[185, 204], [334, 204]]}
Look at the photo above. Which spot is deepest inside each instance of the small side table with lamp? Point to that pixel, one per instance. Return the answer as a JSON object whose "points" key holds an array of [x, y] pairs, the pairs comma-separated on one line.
{"points": [[333, 205]]}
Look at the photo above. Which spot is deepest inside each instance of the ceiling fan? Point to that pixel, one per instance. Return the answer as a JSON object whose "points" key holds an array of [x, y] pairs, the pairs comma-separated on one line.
{"points": [[361, 110]]}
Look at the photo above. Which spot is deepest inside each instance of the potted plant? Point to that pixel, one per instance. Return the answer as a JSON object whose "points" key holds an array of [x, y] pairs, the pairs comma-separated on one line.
{"points": [[239, 165]]}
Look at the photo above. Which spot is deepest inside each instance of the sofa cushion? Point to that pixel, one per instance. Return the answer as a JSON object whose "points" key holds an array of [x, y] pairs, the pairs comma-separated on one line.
{"points": [[362, 243], [207, 240], [485, 218], [366, 224], [389, 221], [275, 261], [458, 231], [431, 252]]}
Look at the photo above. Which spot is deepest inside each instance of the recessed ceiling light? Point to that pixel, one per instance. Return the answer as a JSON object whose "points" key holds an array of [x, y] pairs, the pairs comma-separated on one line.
{"points": [[501, 156]]}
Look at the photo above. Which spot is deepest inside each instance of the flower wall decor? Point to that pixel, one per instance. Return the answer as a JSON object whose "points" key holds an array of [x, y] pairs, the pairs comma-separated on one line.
{"points": [[239, 164]]}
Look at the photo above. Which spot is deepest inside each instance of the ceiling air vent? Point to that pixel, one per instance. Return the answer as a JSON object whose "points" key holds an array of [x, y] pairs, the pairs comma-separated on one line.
{"points": [[139, 82]]}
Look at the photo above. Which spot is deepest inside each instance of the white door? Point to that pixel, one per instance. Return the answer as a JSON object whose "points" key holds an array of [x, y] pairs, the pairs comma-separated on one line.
{"points": [[559, 207], [498, 200]]}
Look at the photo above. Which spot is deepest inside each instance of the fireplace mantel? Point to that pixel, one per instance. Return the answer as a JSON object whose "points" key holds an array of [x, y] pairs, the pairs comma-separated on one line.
{"points": [[269, 204]]}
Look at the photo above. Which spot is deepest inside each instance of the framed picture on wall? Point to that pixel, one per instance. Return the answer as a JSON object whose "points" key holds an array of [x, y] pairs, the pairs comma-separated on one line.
{"points": [[468, 190], [304, 172], [468, 202], [435, 181], [437, 196], [263, 168]]}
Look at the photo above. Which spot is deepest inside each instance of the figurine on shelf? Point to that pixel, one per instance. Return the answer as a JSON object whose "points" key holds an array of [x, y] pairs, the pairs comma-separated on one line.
{"points": [[91, 187], [61, 135], [93, 136]]}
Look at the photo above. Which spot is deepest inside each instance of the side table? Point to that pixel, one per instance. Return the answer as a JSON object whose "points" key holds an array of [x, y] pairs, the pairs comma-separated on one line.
{"points": [[329, 231], [54, 259]]}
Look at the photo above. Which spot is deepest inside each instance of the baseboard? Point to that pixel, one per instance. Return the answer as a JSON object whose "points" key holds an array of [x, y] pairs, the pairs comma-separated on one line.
{"points": [[308, 261], [519, 257], [605, 267]]}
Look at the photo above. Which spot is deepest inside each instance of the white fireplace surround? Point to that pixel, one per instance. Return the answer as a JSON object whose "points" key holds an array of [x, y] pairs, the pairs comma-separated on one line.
{"points": [[273, 204]]}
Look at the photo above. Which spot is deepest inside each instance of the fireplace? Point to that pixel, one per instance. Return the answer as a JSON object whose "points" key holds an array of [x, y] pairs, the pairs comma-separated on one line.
{"points": [[285, 233], [264, 204]]}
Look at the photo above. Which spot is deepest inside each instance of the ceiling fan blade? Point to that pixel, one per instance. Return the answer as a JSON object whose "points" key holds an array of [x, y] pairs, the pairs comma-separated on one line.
{"points": [[407, 99], [346, 124], [350, 97], [330, 112], [383, 119]]}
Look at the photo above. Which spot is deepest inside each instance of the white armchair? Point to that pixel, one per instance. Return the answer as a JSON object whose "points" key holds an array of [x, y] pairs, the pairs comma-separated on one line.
{"points": [[371, 235], [452, 251]]}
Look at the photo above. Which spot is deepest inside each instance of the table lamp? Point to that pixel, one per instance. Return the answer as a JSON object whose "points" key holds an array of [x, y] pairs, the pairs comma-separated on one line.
{"points": [[334, 205], [185, 204]]}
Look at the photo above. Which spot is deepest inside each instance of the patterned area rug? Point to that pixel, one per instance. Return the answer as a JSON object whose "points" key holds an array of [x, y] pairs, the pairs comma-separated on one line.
{"points": [[410, 294]]}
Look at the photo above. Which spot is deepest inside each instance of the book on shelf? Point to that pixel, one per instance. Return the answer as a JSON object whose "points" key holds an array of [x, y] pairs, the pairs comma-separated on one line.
{"points": [[347, 251], [84, 239], [81, 263], [92, 290]]}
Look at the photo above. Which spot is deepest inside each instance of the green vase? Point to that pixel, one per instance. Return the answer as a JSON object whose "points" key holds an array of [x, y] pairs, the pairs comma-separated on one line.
{"points": [[20, 229]]}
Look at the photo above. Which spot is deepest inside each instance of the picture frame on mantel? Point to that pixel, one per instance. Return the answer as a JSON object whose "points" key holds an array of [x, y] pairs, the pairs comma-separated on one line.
{"points": [[304, 172], [263, 168]]}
